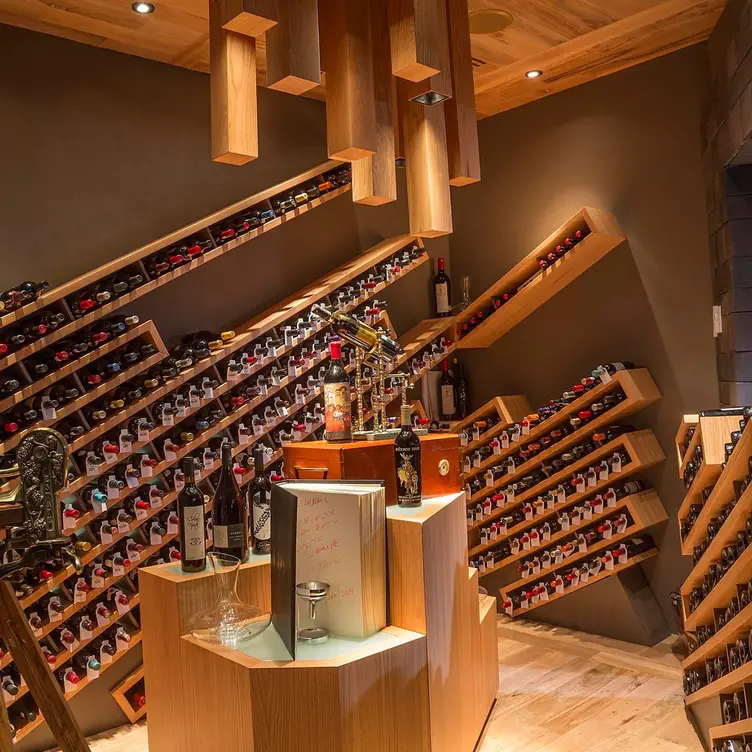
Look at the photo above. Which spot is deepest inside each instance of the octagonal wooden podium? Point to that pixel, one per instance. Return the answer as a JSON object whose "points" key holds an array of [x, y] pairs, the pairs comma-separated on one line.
{"points": [[426, 683]]}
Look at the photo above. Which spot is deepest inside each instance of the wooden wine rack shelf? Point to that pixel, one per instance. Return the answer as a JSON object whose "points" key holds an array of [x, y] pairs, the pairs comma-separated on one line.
{"points": [[118, 694], [508, 410], [731, 730], [604, 235], [716, 645], [723, 486], [633, 561], [645, 509], [640, 391], [246, 337]]}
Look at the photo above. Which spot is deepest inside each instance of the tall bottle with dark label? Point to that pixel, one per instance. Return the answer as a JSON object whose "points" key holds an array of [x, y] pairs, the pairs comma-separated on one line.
{"points": [[259, 501], [338, 413], [192, 522], [230, 513], [448, 393], [442, 291], [407, 460], [463, 396]]}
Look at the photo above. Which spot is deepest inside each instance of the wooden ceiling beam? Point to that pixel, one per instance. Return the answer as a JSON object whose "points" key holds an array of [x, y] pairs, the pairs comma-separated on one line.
{"points": [[234, 107], [250, 17], [663, 28], [375, 177], [292, 48], [428, 198], [346, 56], [461, 121]]}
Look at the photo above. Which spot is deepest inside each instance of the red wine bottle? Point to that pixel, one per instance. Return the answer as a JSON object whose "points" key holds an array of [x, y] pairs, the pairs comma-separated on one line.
{"points": [[442, 287], [337, 397], [192, 522], [448, 393], [230, 513]]}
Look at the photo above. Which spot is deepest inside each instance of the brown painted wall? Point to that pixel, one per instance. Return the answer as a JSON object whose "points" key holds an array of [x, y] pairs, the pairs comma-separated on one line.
{"points": [[105, 152], [628, 143]]}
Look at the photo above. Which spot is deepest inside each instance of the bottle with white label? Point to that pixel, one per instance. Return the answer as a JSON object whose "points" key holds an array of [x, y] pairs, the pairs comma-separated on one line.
{"points": [[442, 287], [448, 393], [192, 522], [259, 502], [230, 512]]}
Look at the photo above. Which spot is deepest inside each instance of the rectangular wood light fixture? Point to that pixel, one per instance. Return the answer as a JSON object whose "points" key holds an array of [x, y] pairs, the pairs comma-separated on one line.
{"points": [[292, 48], [249, 17], [348, 64], [461, 119], [234, 106], [375, 177]]}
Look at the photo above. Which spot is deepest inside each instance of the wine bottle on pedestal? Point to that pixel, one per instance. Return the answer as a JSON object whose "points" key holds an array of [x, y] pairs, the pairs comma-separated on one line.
{"points": [[337, 397], [259, 501], [230, 513], [192, 522], [407, 460]]}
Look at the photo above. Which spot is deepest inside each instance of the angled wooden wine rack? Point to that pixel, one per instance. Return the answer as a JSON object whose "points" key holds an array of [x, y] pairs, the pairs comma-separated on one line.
{"points": [[713, 456], [424, 347], [531, 286], [488, 503]]}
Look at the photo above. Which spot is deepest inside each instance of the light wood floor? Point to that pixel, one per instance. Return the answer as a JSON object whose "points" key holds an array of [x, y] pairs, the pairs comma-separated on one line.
{"points": [[562, 691]]}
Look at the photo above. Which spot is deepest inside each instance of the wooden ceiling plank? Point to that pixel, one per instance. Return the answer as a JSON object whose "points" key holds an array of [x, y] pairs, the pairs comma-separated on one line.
{"points": [[428, 198], [346, 57], [250, 17], [53, 29], [415, 34], [292, 58], [461, 122], [374, 178], [234, 107], [643, 36]]}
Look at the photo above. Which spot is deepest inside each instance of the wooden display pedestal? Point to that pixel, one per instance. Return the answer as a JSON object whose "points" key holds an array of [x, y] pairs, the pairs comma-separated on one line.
{"points": [[374, 460], [424, 684]]}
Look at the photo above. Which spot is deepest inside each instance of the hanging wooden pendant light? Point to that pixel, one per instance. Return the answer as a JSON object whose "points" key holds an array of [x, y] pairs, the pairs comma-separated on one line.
{"points": [[415, 31], [292, 48], [249, 17], [461, 119], [348, 64], [429, 202], [375, 177], [234, 107]]}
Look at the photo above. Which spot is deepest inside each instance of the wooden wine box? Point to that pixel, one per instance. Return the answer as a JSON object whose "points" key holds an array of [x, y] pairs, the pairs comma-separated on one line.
{"points": [[374, 460]]}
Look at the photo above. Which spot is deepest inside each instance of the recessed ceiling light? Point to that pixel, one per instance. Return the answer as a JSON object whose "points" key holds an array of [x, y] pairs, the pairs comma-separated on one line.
{"points": [[489, 20], [429, 98], [534, 73], [143, 8]]}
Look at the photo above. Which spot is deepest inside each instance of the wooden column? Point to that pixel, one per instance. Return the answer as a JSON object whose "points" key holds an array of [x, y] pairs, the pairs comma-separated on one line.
{"points": [[234, 108], [292, 48], [428, 198], [438, 87], [347, 61], [459, 111], [415, 30], [249, 17], [374, 177]]}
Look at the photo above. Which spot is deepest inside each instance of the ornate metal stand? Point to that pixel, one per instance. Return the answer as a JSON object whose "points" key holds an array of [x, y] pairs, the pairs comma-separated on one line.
{"points": [[32, 516]]}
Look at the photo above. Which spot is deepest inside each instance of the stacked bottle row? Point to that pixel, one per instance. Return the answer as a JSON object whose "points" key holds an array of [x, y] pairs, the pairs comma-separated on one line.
{"points": [[558, 250], [519, 442]]}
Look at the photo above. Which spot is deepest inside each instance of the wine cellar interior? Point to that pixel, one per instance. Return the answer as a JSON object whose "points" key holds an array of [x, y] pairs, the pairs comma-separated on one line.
{"points": [[376, 376]]}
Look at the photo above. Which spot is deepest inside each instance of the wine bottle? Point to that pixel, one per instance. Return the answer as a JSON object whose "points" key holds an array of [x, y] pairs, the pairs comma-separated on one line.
{"points": [[259, 501], [192, 522], [407, 460], [448, 393], [337, 397], [230, 513], [463, 397], [442, 287]]}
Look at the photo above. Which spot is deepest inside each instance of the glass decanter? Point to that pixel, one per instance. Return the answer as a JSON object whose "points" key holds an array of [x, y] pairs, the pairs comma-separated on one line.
{"points": [[229, 620]]}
